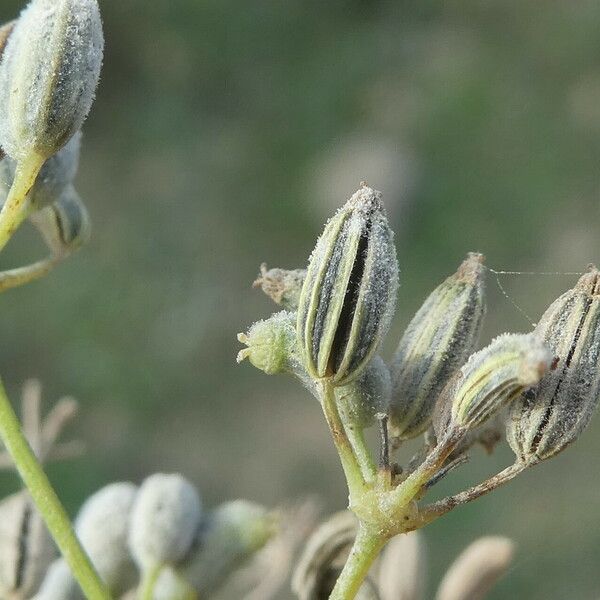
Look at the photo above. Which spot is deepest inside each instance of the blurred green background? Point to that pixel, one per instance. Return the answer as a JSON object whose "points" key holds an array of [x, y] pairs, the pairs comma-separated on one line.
{"points": [[223, 135]]}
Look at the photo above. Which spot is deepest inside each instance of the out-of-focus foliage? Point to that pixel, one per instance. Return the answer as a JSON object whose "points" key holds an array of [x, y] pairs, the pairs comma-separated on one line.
{"points": [[223, 134]]}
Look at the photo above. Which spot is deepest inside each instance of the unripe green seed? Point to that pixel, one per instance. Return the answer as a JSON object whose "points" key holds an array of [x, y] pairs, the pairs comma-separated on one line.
{"points": [[271, 343], [546, 420], [349, 293], [438, 340], [492, 378], [48, 76], [232, 533]]}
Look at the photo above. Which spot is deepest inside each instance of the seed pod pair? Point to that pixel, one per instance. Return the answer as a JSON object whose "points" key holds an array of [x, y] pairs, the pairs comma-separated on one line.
{"points": [[546, 420], [232, 533], [491, 378], [164, 520], [435, 344], [48, 76], [349, 293]]}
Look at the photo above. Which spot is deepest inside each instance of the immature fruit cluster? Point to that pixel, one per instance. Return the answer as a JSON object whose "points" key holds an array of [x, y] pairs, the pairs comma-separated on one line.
{"points": [[436, 384], [160, 526]]}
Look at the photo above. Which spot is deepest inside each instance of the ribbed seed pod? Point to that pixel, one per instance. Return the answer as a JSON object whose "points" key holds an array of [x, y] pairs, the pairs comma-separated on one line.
{"points": [[64, 225], [324, 553], [26, 548], [55, 176], [435, 344], [48, 76], [349, 293], [232, 533], [495, 376], [546, 420], [282, 286]]}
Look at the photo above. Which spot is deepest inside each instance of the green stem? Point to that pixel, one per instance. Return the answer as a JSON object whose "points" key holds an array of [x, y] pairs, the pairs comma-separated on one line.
{"points": [[48, 503], [149, 580], [16, 277], [357, 440], [16, 207], [401, 496], [350, 465], [367, 546]]}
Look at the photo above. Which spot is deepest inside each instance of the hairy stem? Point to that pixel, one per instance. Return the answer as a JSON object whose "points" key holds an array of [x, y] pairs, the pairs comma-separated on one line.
{"points": [[16, 207], [357, 440], [365, 550], [415, 482], [350, 463], [47, 502], [437, 509]]}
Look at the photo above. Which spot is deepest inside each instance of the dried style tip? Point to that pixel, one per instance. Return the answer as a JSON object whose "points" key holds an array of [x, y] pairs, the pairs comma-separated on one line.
{"points": [[55, 176], [435, 344], [495, 376], [26, 548], [477, 569], [546, 420], [65, 225], [102, 525], [283, 287], [233, 533], [48, 76], [349, 293], [323, 556], [164, 520]]}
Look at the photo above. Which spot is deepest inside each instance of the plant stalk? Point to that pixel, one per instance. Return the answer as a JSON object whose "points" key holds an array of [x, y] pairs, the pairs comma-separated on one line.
{"points": [[47, 502], [365, 550], [350, 464], [17, 277]]}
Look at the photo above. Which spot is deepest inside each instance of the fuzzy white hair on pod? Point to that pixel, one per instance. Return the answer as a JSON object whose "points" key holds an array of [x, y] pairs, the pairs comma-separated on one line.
{"points": [[102, 525], [164, 521]]}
